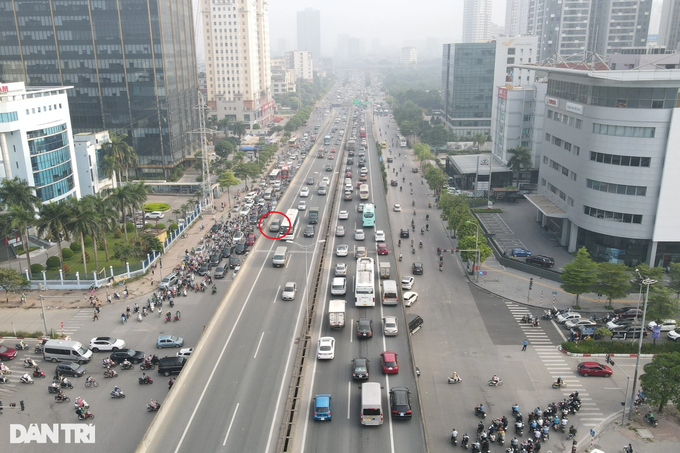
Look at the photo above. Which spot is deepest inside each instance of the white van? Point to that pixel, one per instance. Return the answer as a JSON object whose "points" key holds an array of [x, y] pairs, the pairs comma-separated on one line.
{"points": [[268, 194], [390, 292], [66, 351], [339, 286], [280, 257], [371, 404]]}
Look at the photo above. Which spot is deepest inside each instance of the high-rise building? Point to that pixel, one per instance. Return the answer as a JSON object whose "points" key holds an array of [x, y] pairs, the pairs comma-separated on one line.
{"points": [[309, 31], [132, 65], [409, 55], [516, 15], [90, 162], [669, 27], [238, 68], [36, 140], [572, 27], [476, 20], [301, 63]]}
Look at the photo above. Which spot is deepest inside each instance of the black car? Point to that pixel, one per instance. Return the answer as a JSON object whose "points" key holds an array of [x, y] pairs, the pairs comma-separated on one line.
{"points": [[215, 259], [365, 328], [361, 164], [328, 167], [171, 365], [226, 252], [70, 369], [394, 183], [132, 355], [390, 160], [360, 368], [414, 170], [350, 161], [204, 269], [215, 228], [254, 218], [220, 272], [417, 269], [309, 231], [233, 262], [541, 260], [404, 233], [629, 332], [240, 248], [400, 402], [350, 153]]}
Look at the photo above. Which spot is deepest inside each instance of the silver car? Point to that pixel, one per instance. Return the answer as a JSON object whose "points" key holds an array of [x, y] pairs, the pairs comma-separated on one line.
{"points": [[289, 291], [390, 326]]}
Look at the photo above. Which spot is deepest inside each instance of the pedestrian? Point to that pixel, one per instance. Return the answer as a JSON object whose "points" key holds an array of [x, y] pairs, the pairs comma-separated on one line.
{"points": [[524, 346], [23, 298], [95, 317], [170, 382]]}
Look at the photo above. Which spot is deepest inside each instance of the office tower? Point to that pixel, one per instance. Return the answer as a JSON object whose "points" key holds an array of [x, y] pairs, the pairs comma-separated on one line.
{"points": [[132, 65], [36, 140], [476, 19], [309, 31], [669, 27], [572, 27], [516, 15], [409, 55], [301, 63], [237, 63]]}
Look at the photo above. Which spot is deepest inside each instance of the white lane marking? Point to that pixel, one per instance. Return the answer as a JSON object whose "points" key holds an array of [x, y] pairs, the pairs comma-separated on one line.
{"points": [[276, 296], [233, 417], [349, 398], [258, 345], [351, 331]]}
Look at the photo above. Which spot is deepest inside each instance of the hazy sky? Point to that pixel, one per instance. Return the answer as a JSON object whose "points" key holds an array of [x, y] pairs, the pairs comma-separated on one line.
{"points": [[392, 21]]}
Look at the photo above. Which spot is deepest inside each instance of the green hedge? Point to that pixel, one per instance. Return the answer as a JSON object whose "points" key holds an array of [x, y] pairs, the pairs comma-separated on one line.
{"points": [[37, 268], [487, 211], [67, 254], [53, 262], [619, 347]]}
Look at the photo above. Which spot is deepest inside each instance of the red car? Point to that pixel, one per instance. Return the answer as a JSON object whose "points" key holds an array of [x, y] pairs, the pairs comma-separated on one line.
{"points": [[358, 184], [594, 369], [389, 363], [331, 157], [348, 174], [251, 239], [7, 353], [333, 150], [382, 249]]}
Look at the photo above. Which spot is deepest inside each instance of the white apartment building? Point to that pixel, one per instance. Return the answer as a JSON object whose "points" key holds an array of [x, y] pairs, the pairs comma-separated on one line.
{"points": [[409, 55], [36, 140], [238, 71], [302, 64], [476, 20], [89, 160], [516, 17]]}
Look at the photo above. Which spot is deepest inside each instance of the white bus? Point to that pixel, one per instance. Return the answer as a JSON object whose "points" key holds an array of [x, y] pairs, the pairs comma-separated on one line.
{"points": [[292, 214], [275, 175], [402, 141], [364, 283], [363, 192], [371, 404]]}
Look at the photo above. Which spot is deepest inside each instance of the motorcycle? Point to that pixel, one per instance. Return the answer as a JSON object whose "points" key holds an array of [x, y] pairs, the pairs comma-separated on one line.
{"points": [[497, 383], [26, 379], [90, 382], [139, 317], [400, 257], [38, 373], [39, 349], [53, 387], [81, 404], [108, 363], [118, 394], [562, 384], [572, 433], [66, 384], [61, 399], [4, 379], [515, 410], [501, 438], [29, 363], [465, 441], [454, 379], [476, 448], [145, 380], [519, 429], [214, 290], [110, 374], [649, 418], [85, 415], [4, 369], [480, 413], [146, 366], [547, 315], [127, 366], [21, 346], [167, 318], [153, 406], [176, 318], [454, 437], [116, 295]]}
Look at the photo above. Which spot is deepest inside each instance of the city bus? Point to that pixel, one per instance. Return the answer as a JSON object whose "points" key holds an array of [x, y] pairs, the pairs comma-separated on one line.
{"points": [[285, 172], [363, 192], [275, 175], [369, 215], [327, 140], [292, 214], [292, 141], [402, 141], [364, 283]]}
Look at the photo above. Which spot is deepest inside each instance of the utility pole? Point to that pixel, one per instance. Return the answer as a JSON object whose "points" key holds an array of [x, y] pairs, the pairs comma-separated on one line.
{"points": [[648, 282], [207, 194]]}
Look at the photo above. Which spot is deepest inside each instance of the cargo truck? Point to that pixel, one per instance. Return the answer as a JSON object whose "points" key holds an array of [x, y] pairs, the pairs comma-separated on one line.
{"points": [[336, 314]]}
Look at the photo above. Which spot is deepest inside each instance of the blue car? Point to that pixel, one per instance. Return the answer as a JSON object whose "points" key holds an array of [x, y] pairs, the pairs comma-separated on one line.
{"points": [[520, 252], [169, 341], [322, 407]]}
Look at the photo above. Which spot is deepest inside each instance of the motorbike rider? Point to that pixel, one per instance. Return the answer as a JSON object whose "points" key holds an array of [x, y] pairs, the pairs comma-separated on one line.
{"points": [[454, 434], [109, 372], [178, 315], [481, 410], [564, 423], [454, 376], [495, 379], [154, 404], [214, 288], [399, 242], [420, 244], [559, 381], [116, 390], [28, 362], [65, 382], [89, 380], [400, 257], [60, 395], [480, 427], [126, 363], [168, 316], [546, 431], [572, 431]]}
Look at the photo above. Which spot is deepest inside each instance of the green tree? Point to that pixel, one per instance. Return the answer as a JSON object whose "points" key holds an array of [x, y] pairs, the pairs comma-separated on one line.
{"points": [[121, 198], [150, 243], [580, 276], [21, 220], [247, 170], [11, 280], [228, 180], [224, 148], [674, 275], [643, 269], [17, 192], [435, 177], [520, 160], [122, 153], [661, 304], [105, 220], [478, 140], [51, 224], [612, 281], [238, 128], [660, 381], [470, 243], [124, 252]]}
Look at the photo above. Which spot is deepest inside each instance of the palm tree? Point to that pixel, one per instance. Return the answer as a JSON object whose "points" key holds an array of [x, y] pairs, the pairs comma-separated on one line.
{"points": [[17, 192], [22, 219], [176, 212], [120, 199], [111, 167], [51, 224], [105, 217], [138, 195], [521, 159], [122, 153], [479, 140], [81, 223], [238, 128]]}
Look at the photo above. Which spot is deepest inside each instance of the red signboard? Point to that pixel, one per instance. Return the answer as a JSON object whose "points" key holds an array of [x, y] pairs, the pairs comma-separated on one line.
{"points": [[4, 89], [503, 93]]}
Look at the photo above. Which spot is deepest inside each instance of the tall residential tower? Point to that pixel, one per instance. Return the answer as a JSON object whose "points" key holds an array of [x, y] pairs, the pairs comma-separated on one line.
{"points": [[309, 31], [476, 20]]}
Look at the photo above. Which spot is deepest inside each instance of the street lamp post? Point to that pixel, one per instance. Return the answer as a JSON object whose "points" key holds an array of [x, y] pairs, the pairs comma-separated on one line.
{"points": [[477, 255], [648, 282]]}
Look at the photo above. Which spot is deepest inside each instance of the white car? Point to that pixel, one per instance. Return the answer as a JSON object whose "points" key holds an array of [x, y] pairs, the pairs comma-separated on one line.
{"points": [[674, 335], [666, 325], [325, 349], [326, 179], [568, 316], [397, 208], [245, 211], [343, 215], [155, 215], [410, 297], [390, 327], [379, 236], [341, 270], [407, 282], [302, 206], [304, 192], [238, 237], [359, 235], [289, 291], [106, 344], [185, 352], [342, 250], [578, 322]]}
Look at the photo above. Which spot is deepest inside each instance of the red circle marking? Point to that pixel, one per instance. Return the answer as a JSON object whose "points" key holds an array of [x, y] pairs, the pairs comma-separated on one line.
{"points": [[259, 225]]}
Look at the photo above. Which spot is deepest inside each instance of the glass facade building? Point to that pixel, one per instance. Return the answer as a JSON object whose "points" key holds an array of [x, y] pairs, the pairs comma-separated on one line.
{"points": [[468, 87], [132, 65]]}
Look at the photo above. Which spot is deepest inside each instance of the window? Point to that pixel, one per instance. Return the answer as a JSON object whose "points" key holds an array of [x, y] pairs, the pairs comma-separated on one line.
{"points": [[623, 131], [545, 159], [619, 189], [9, 116], [624, 161], [612, 216]]}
